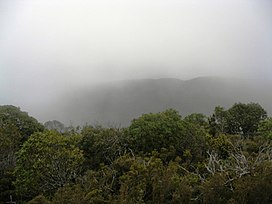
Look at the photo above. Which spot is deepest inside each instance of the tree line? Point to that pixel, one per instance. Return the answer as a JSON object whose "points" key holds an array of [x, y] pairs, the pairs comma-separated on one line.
{"points": [[160, 158]]}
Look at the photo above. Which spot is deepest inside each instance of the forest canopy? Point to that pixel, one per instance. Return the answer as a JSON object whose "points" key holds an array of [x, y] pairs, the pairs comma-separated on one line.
{"points": [[159, 158]]}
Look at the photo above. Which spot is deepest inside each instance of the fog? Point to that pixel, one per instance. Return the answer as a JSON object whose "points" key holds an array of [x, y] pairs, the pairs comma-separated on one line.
{"points": [[51, 47]]}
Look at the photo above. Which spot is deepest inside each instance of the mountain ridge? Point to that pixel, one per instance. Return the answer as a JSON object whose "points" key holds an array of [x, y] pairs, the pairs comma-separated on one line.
{"points": [[118, 102]]}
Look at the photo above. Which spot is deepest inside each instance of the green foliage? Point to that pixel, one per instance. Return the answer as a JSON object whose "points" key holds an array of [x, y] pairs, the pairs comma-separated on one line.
{"points": [[166, 130], [101, 145], [245, 118], [155, 131], [220, 144], [218, 122], [198, 119], [255, 188], [25, 124], [221, 117], [216, 190], [148, 180], [101, 186], [243, 176], [15, 127], [46, 162], [40, 199], [69, 194], [9, 144], [239, 119], [265, 128], [159, 158]]}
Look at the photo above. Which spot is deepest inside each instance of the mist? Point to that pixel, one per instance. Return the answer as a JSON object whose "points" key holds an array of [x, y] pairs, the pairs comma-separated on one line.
{"points": [[52, 48]]}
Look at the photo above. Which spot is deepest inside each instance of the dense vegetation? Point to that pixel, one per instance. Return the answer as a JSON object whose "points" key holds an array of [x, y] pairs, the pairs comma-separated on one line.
{"points": [[159, 158]]}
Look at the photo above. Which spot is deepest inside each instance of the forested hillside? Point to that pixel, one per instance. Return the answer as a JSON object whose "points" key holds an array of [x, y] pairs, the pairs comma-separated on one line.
{"points": [[118, 102], [162, 157]]}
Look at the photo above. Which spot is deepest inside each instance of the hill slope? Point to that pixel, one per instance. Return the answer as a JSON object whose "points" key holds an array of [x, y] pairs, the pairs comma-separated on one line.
{"points": [[119, 102]]}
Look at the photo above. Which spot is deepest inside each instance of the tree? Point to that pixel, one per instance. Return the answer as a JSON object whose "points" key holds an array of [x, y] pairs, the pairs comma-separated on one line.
{"points": [[265, 128], [25, 124], [40, 199], [197, 119], [245, 118], [15, 127], [221, 117], [46, 162], [155, 131], [9, 145], [239, 119], [101, 145], [242, 177], [55, 125], [166, 130], [69, 194], [149, 180]]}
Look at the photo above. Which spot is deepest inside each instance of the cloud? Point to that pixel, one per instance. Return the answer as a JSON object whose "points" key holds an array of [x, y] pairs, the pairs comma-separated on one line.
{"points": [[49, 46]]}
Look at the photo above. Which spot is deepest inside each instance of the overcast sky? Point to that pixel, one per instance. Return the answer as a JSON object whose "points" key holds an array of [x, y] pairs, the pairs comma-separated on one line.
{"points": [[47, 46]]}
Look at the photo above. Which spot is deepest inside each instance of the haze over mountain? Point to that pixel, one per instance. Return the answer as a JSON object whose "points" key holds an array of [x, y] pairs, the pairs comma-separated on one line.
{"points": [[83, 60], [118, 102]]}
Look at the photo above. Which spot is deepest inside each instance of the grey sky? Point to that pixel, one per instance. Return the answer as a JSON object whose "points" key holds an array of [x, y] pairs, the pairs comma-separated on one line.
{"points": [[47, 46]]}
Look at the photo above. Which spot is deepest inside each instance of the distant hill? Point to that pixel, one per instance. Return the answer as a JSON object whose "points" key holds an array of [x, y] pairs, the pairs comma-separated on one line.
{"points": [[118, 102]]}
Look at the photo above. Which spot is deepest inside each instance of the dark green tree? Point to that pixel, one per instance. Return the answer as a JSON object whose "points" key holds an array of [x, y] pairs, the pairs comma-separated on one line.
{"points": [[245, 118], [24, 123], [241, 119], [47, 161], [221, 117], [265, 128], [15, 127], [101, 145], [166, 130], [9, 145], [198, 119]]}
